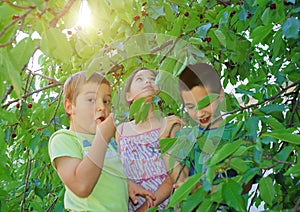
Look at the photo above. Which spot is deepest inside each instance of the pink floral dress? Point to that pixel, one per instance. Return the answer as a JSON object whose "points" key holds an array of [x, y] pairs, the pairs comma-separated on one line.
{"points": [[142, 163]]}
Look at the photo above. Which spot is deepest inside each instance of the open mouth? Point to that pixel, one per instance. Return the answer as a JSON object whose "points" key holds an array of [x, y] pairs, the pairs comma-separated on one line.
{"points": [[204, 120], [100, 119]]}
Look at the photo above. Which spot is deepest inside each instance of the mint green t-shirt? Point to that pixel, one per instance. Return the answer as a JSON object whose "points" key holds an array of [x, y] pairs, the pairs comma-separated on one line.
{"points": [[111, 191]]}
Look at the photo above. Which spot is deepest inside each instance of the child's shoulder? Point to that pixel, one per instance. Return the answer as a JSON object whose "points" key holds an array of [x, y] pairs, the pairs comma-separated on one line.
{"points": [[62, 132]]}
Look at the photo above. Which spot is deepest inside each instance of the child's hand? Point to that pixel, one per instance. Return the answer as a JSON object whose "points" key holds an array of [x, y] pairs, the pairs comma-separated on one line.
{"points": [[107, 128], [134, 190], [170, 122]]}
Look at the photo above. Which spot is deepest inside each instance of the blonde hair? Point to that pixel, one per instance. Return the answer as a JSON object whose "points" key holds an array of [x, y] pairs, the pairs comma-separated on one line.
{"points": [[74, 83]]}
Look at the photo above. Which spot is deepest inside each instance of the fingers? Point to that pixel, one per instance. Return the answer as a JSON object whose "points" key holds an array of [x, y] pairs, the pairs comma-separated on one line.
{"points": [[150, 202], [171, 120]]}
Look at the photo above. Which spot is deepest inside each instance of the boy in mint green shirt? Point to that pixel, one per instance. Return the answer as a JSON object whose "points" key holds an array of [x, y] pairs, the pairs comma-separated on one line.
{"points": [[195, 83], [83, 155]]}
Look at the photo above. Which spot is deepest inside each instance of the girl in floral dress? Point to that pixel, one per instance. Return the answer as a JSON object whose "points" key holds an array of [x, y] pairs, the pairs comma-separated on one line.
{"points": [[138, 144]]}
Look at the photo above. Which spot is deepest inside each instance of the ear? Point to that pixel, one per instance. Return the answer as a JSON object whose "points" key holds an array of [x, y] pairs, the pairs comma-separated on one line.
{"points": [[221, 97], [128, 97], [68, 106]]}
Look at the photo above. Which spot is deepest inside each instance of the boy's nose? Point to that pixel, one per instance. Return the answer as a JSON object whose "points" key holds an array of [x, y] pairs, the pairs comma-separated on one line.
{"points": [[99, 105], [200, 113]]}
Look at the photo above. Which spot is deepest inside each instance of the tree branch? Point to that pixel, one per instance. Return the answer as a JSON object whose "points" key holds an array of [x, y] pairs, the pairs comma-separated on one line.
{"points": [[15, 21], [295, 104], [8, 91], [55, 111], [31, 93], [62, 13], [26, 183]]}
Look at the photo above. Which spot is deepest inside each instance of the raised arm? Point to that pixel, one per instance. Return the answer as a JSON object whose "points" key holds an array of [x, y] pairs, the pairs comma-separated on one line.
{"points": [[81, 176]]}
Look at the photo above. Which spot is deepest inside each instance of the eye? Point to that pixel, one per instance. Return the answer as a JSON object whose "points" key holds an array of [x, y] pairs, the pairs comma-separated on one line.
{"points": [[107, 101], [190, 107], [92, 100], [138, 79]]}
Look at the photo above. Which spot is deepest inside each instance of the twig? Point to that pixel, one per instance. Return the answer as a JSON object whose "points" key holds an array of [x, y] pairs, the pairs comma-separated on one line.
{"points": [[55, 111], [168, 52], [61, 13], [18, 6], [8, 91], [14, 21], [23, 201], [295, 106], [256, 104], [31, 93], [161, 47], [44, 76], [52, 205]]}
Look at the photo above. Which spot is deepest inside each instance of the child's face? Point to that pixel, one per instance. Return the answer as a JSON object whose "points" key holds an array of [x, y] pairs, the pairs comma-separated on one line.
{"points": [[92, 107], [143, 85], [204, 115]]}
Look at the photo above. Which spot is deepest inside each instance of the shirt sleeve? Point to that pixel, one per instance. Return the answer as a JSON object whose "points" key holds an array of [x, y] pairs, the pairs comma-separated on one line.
{"points": [[61, 145]]}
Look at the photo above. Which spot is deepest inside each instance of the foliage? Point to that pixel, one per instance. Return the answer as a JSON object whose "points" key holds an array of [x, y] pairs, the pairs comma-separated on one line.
{"points": [[254, 44]]}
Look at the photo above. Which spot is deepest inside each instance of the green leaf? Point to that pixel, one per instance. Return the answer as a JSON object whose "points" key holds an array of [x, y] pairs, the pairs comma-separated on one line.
{"points": [[284, 135], [238, 164], [55, 44], [260, 32], [183, 191], [294, 170], [207, 100], [235, 199], [144, 111], [252, 127], [202, 31], [166, 143], [8, 116], [266, 189], [156, 11], [205, 205], [193, 200], [135, 107], [270, 108], [225, 151], [290, 28], [221, 37], [273, 122]]}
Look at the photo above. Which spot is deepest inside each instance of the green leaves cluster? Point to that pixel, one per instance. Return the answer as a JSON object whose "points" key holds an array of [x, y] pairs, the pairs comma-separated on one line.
{"points": [[253, 44]]}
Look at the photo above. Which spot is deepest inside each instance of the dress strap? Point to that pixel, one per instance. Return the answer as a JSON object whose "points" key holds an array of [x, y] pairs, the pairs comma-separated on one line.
{"points": [[121, 128]]}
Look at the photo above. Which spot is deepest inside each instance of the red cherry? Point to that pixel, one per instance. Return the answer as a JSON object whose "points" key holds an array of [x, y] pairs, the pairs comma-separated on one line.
{"points": [[207, 39], [15, 17], [186, 14], [273, 6], [69, 32], [144, 4], [249, 15], [29, 105], [141, 25], [13, 135], [18, 105], [135, 18]]}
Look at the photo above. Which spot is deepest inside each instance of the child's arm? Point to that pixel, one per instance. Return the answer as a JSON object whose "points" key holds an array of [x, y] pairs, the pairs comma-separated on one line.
{"points": [[179, 171], [81, 176], [162, 193], [170, 125]]}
